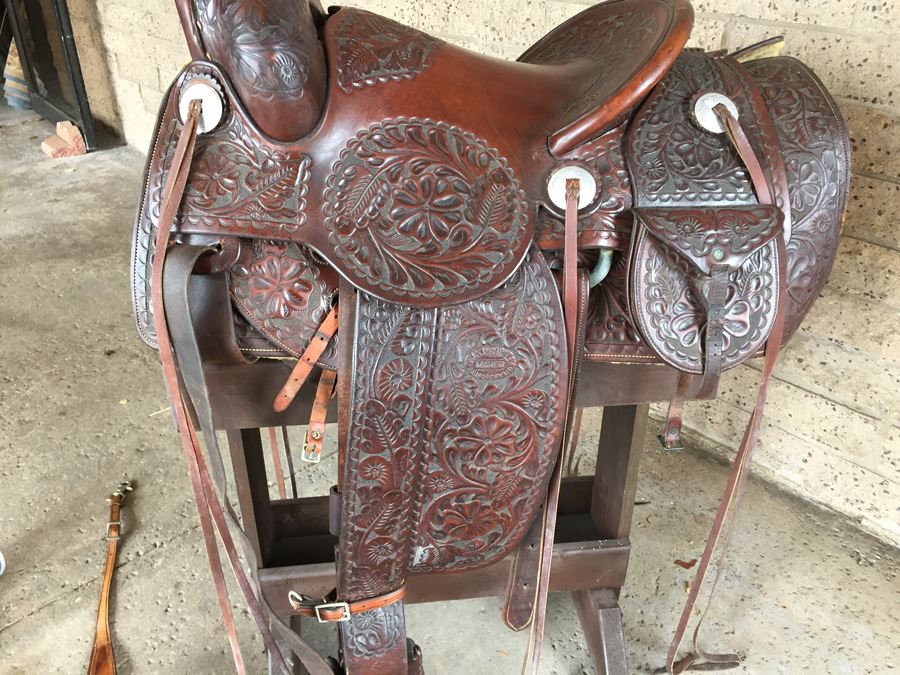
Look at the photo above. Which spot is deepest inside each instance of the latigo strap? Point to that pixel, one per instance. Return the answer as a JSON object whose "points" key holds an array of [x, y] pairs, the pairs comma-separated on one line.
{"points": [[103, 660]]}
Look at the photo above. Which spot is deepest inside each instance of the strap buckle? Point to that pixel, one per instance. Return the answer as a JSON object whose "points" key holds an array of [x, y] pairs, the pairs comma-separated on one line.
{"points": [[311, 456], [343, 606]]}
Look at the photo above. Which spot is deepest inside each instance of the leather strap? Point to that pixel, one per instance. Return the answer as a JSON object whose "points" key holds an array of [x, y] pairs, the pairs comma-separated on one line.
{"points": [[173, 192], [670, 437], [552, 502], [330, 610], [288, 455], [570, 264], [103, 660], [276, 463], [716, 296], [307, 360], [734, 487], [315, 431], [172, 269], [740, 470], [574, 306]]}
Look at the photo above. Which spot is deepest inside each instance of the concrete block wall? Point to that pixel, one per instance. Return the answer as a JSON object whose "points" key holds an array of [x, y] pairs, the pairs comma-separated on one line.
{"points": [[832, 432]]}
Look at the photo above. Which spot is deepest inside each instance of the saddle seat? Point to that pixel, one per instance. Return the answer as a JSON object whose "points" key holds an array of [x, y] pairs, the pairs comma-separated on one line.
{"points": [[574, 84]]}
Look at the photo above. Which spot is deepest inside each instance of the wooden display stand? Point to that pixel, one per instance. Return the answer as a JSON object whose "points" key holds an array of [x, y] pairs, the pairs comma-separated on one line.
{"points": [[296, 548]]}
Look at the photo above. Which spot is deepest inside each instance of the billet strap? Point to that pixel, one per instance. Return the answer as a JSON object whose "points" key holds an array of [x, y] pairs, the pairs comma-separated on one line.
{"points": [[315, 431], [307, 360], [212, 480], [173, 268], [724, 520], [103, 660], [331, 610]]}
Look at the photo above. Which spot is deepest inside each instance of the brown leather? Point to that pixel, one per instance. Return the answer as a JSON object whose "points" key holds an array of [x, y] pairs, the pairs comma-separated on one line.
{"points": [[670, 436], [549, 516], [716, 297], [618, 78], [307, 360], [272, 53], [174, 189], [276, 463], [315, 609], [724, 519], [315, 430], [209, 508], [386, 170], [103, 660]]}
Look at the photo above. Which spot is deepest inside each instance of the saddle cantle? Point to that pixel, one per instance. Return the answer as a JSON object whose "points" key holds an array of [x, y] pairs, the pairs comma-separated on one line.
{"points": [[445, 199]]}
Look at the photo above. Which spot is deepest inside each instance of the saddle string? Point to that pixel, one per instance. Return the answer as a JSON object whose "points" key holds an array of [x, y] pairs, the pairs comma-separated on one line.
{"points": [[722, 527], [575, 293], [210, 510]]}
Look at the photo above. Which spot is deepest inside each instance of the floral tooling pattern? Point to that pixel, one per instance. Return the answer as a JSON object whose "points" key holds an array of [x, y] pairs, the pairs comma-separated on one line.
{"points": [[421, 209], [372, 49], [237, 182], [279, 289]]}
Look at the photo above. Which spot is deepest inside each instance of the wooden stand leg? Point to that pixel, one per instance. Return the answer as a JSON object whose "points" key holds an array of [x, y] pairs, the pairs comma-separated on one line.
{"points": [[612, 503], [249, 465], [601, 620]]}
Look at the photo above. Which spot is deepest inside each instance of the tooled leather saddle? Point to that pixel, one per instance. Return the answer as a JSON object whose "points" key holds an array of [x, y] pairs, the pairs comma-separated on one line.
{"points": [[446, 238]]}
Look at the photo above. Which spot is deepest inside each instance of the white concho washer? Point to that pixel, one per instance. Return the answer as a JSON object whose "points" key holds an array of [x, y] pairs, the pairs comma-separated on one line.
{"points": [[212, 107], [705, 114], [556, 185]]}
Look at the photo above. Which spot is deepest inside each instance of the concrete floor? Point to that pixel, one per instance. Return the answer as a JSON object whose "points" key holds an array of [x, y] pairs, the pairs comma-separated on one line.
{"points": [[83, 403]]}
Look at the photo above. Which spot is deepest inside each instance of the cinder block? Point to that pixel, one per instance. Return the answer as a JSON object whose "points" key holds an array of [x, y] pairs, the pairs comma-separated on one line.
{"points": [[508, 27], [817, 364], [837, 13], [873, 211], [875, 140], [882, 16], [854, 323], [708, 32], [851, 66], [869, 272]]}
